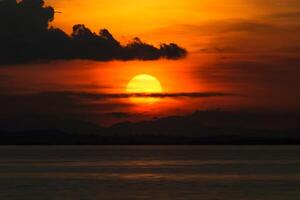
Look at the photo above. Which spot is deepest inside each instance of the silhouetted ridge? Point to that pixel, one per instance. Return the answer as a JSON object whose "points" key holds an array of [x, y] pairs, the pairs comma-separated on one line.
{"points": [[201, 127]]}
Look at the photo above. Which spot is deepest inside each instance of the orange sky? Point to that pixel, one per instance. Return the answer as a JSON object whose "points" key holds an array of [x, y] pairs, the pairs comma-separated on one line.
{"points": [[247, 48], [146, 17]]}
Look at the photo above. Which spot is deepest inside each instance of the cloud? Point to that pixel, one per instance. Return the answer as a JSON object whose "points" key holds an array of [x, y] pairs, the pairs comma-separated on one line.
{"points": [[93, 107], [264, 70], [122, 115], [58, 104], [70, 103], [265, 33], [97, 96], [26, 37], [119, 115], [285, 16], [255, 37], [268, 81]]}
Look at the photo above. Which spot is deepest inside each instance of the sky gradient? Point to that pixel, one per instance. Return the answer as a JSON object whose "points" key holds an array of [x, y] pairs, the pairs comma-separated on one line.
{"points": [[242, 55]]}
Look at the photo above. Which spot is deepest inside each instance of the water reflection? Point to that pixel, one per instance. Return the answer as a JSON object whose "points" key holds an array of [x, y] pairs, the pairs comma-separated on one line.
{"points": [[152, 172]]}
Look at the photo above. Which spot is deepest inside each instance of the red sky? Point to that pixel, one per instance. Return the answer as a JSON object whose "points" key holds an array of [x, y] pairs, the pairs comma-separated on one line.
{"points": [[247, 50]]}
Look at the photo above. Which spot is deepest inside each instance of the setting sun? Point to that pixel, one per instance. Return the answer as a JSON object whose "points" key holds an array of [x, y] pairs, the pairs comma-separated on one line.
{"points": [[145, 99], [144, 84]]}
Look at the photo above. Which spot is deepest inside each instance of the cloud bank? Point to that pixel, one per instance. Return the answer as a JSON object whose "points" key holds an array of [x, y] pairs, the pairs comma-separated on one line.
{"points": [[97, 96], [26, 37], [94, 107]]}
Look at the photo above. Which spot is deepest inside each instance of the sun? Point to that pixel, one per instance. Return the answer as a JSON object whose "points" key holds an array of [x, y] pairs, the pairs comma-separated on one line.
{"points": [[144, 84]]}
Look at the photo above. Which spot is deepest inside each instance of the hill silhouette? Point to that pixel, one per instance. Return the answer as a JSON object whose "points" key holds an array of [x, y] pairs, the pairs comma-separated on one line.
{"points": [[201, 127]]}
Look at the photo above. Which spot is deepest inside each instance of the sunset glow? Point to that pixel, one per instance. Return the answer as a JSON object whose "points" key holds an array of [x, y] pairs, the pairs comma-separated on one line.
{"points": [[182, 94], [144, 84], [240, 52]]}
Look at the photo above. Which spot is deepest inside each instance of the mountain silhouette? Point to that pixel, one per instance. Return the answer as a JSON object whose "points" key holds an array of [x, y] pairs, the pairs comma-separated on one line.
{"points": [[201, 127]]}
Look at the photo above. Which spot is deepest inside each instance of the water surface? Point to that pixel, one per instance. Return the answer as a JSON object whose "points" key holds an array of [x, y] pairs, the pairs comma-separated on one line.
{"points": [[150, 172]]}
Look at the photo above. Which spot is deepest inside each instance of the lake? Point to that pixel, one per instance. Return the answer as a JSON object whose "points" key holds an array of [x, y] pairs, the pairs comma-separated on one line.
{"points": [[150, 172]]}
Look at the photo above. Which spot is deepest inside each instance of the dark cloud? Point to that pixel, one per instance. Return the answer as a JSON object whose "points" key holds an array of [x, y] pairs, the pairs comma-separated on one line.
{"points": [[77, 103], [60, 105], [119, 115], [93, 107], [26, 37], [96, 96], [58, 100], [98, 108]]}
